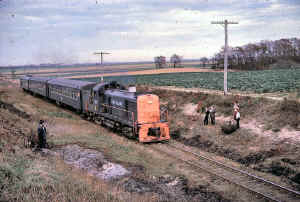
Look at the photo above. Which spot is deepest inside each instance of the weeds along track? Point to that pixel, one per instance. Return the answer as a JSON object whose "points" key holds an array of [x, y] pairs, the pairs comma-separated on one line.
{"points": [[252, 183]]}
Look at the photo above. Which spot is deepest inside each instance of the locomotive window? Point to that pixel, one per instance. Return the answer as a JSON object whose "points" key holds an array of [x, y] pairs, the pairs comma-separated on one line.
{"points": [[116, 102], [119, 103]]}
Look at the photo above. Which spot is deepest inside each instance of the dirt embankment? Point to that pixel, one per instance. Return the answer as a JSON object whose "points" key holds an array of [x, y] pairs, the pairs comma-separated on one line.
{"points": [[267, 140], [67, 172]]}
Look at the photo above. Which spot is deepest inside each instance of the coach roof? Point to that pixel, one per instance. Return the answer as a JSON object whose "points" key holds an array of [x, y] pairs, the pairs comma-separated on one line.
{"points": [[41, 79], [25, 77], [70, 83]]}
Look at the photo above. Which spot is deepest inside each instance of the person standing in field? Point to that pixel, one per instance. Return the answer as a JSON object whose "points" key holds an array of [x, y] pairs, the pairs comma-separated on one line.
{"points": [[199, 107], [236, 105], [206, 116], [42, 132], [212, 113], [237, 117]]}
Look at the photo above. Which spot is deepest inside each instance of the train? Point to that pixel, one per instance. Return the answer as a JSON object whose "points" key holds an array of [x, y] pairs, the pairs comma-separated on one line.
{"points": [[134, 115]]}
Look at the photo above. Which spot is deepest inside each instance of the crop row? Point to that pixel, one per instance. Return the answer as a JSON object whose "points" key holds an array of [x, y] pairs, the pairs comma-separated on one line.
{"points": [[254, 81]]}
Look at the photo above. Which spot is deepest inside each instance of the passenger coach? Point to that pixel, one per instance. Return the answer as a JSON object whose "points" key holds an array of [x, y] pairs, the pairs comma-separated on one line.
{"points": [[68, 92], [38, 85]]}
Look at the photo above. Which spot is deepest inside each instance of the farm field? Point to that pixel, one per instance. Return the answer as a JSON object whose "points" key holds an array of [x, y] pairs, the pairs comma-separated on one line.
{"points": [[251, 81], [76, 70], [80, 70], [144, 72]]}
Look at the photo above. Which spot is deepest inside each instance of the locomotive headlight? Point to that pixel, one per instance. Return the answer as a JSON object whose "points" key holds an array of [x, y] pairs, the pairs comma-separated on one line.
{"points": [[150, 102]]}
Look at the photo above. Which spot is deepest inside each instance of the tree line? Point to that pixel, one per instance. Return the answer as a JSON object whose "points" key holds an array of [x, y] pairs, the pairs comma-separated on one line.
{"points": [[260, 55]]}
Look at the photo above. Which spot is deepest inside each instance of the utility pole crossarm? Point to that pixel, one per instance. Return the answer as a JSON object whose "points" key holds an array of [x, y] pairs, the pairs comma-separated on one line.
{"points": [[223, 22], [101, 55]]}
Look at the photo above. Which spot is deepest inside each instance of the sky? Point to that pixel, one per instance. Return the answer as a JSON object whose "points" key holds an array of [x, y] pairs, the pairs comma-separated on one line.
{"points": [[70, 31]]}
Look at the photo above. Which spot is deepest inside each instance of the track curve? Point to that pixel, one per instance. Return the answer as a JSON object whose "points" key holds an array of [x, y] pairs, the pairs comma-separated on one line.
{"points": [[252, 183]]}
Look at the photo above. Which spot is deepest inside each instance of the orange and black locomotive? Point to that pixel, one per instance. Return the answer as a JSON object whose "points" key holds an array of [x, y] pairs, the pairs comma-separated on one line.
{"points": [[135, 115]]}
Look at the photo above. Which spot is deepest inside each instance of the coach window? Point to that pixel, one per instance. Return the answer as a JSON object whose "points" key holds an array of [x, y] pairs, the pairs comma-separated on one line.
{"points": [[91, 97]]}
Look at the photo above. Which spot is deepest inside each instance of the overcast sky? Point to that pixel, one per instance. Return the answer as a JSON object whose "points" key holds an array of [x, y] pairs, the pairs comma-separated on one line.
{"points": [[69, 31]]}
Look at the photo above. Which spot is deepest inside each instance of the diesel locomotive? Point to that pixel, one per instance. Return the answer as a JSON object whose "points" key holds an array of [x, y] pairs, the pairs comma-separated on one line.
{"points": [[135, 115]]}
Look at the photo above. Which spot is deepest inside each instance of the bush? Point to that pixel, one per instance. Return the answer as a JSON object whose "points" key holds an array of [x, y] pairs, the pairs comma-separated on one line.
{"points": [[229, 127]]}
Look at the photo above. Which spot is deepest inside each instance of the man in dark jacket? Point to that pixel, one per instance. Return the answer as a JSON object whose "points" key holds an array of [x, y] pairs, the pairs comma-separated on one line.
{"points": [[42, 132], [206, 116]]}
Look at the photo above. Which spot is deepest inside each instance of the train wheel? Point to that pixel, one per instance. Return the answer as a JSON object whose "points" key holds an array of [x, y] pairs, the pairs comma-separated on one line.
{"points": [[128, 132]]}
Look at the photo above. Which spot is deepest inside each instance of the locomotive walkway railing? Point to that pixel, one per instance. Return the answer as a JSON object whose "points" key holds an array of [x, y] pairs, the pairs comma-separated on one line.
{"points": [[129, 115]]}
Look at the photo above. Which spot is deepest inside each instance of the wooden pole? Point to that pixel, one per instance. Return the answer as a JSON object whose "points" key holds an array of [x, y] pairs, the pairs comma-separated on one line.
{"points": [[226, 22]]}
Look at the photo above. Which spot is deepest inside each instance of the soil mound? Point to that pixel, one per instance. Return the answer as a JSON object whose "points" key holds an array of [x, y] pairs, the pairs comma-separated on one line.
{"points": [[14, 110]]}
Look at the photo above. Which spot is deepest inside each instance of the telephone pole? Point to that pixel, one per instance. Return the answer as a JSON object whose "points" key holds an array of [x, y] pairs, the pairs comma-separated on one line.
{"points": [[101, 55], [226, 22]]}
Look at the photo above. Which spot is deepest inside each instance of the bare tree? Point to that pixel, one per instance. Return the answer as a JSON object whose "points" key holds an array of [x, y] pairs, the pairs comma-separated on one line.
{"points": [[13, 73], [176, 61], [204, 61], [160, 62], [260, 55]]}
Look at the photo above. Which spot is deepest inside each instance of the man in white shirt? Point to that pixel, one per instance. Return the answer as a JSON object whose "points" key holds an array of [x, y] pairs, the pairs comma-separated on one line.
{"points": [[237, 118]]}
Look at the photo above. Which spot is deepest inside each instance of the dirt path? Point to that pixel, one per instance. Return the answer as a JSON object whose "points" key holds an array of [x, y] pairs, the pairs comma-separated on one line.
{"points": [[285, 134], [273, 96]]}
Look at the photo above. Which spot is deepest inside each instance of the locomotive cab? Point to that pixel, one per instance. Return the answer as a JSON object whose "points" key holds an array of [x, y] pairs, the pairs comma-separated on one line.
{"points": [[151, 128]]}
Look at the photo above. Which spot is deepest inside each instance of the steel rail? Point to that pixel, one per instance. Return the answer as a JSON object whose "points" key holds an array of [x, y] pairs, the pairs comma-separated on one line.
{"points": [[222, 177], [240, 171], [196, 165]]}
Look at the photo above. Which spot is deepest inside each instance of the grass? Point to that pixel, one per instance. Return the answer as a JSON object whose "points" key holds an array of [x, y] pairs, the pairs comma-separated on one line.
{"points": [[122, 150], [27, 176], [24, 180], [247, 143], [57, 114], [49, 179], [273, 114]]}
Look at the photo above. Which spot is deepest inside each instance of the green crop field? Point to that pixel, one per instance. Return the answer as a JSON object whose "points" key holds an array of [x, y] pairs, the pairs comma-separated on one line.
{"points": [[254, 81]]}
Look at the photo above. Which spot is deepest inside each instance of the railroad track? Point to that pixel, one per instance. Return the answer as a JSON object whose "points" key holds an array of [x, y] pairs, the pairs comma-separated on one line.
{"points": [[257, 185]]}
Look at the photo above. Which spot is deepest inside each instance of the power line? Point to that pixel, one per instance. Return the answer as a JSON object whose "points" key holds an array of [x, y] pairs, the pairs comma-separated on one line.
{"points": [[226, 23]]}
